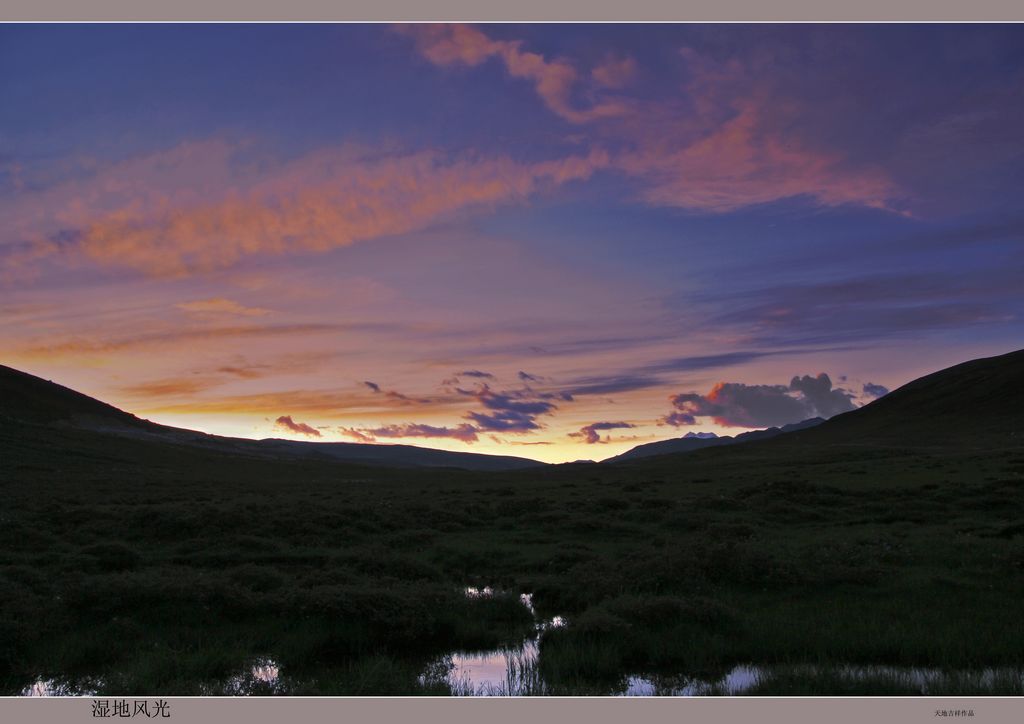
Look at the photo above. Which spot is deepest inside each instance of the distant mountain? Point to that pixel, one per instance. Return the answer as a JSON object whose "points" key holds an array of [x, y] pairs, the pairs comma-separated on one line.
{"points": [[38, 404], [701, 440]]}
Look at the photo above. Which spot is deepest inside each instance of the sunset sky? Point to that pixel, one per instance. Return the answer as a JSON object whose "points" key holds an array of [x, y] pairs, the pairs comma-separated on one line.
{"points": [[554, 241]]}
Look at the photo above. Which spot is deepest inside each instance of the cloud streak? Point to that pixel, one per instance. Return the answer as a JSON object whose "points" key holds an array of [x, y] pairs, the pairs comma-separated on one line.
{"points": [[464, 432], [85, 346], [218, 306], [328, 199]]}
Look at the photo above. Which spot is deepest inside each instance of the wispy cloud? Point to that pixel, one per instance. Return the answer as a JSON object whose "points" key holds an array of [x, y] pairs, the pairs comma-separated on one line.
{"points": [[553, 80], [177, 387], [219, 306], [464, 432], [185, 387], [175, 336], [397, 396], [730, 144], [330, 198], [724, 143], [478, 374], [867, 307], [615, 71]]}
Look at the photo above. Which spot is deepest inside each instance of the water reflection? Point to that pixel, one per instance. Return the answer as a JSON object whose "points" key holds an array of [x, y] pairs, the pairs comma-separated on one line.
{"points": [[506, 671], [512, 671], [749, 680], [737, 681], [53, 687], [262, 677]]}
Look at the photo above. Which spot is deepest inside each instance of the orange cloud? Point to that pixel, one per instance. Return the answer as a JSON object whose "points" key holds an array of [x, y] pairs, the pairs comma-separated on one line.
{"points": [[327, 200], [218, 306], [305, 402], [201, 380], [80, 346], [174, 387], [553, 80]]}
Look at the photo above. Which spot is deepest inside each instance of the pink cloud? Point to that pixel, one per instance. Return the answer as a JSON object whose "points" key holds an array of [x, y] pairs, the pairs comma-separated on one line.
{"points": [[553, 80], [742, 162], [726, 143], [614, 72], [720, 145]]}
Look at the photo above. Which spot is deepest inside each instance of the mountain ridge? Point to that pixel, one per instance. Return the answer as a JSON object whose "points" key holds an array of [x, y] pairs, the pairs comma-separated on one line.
{"points": [[692, 442], [974, 403], [978, 404], [33, 400]]}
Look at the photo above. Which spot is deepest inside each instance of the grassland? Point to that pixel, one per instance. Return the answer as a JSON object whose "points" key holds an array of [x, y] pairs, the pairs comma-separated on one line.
{"points": [[149, 567]]}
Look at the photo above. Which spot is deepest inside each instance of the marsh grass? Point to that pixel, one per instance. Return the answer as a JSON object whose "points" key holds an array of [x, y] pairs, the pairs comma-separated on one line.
{"points": [[879, 681], [156, 568]]}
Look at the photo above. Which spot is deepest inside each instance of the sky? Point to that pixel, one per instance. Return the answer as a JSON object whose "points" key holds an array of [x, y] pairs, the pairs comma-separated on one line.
{"points": [[551, 241]]}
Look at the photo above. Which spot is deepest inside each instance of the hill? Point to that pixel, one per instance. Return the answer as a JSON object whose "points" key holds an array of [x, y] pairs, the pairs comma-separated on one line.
{"points": [[31, 399], [864, 539], [971, 405], [44, 405]]}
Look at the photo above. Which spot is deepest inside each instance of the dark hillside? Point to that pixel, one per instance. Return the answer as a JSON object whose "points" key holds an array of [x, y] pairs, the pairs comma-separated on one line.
{"points": [[29, 398], [47, 406], [977, 404]]}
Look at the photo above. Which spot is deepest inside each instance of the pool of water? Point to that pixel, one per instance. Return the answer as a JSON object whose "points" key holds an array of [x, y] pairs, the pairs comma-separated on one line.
{"points": [[512, 671], [53, 687]]}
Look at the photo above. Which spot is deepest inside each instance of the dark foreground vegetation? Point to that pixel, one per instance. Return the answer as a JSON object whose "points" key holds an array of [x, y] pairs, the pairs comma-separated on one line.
{"points": [[150, 567]]}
